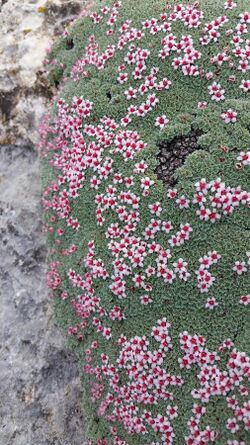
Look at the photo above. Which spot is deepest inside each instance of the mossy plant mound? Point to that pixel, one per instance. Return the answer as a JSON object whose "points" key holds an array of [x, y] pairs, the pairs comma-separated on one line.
{"points": [[146, 173]]}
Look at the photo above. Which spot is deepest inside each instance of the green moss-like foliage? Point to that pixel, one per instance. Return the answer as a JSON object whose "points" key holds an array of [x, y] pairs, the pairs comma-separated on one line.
{"points": [[98, 230]]}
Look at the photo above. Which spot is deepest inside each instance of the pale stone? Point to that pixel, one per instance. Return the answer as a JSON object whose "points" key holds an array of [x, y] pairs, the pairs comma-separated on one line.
{"points": [[40, 387], [25, 35]]}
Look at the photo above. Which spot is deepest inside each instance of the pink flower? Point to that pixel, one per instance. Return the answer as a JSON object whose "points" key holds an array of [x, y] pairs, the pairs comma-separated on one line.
{"points": [[230, 4], [218, 96], [145, 299], [64, 295], [164, 84], [229, 116], [202, 186], [94, 182], [146, 183], [125, 121], [172, 193], [245, 17], [214, 256], [129, 182], [155, 208], [152, 100], [121, 68], [211, 303], [172, 411], [199, 198], [130, 93], [166, 226], [243, 66], [105, 10], [216, 92], [140, 167], [240, 267], [241, 28], [109, 32], [116, 314], [183, 202], [161, 121], [221, 58], [244, 157], [180, 265], [245, 85], [96, 17], [150, 271], [122, 78], [245, 300], [202, 105], [53, 278], [106, 333], [232, 425], [206, 214]]}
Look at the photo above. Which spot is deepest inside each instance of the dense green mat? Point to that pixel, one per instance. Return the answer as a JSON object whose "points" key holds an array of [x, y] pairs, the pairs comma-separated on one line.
{"points": [[151, 282]]}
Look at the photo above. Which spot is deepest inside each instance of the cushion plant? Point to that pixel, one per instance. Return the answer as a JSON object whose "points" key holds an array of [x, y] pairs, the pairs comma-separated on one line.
{"points": [[146, 195]]}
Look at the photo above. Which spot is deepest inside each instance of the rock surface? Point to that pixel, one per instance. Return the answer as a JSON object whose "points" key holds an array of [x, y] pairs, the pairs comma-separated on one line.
{"points": [[40, 389], [26, 32]]}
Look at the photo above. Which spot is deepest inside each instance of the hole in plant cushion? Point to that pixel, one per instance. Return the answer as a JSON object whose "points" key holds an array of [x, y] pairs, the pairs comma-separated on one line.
{"points": [[173, 155]]}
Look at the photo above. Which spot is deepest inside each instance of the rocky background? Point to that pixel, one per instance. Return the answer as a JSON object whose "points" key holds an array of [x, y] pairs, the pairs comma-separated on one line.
{"points": [[40, 390]]}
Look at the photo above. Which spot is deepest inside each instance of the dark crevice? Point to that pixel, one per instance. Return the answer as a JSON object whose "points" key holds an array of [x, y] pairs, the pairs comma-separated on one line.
{"points": [[8, 101], [41, 86], [62, 14], [65, 9], [173, 155], [109, 95], [69, 44]]}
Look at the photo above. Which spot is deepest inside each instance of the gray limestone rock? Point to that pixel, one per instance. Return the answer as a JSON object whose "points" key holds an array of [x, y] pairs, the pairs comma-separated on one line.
{"points": [[40, 389], [27, 30]]}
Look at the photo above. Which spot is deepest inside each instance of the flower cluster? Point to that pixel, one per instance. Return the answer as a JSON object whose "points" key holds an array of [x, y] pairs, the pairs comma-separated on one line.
{"points": [[187, 56], [229, 116], [214, 383], [53, 276], [242, 266], [216, 92], [148, 248], [148, 382], [211, 31], [204, 278], [92, 57], [215, 199]]}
